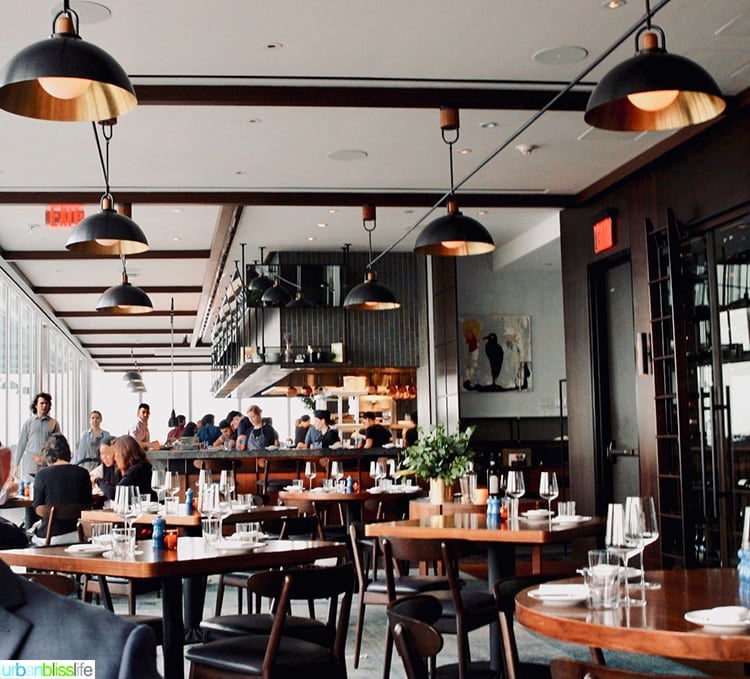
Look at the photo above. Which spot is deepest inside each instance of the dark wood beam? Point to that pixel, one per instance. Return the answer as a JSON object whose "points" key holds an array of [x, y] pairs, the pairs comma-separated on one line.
{"points": [[281, 198], [491, 96], [93, 290], [118, 331], [134, 317], [51, 255], [147, 345]]}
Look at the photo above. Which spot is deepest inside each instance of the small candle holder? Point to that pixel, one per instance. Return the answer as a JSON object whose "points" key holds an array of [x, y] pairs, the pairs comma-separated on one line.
{"points": [[170, 539]]}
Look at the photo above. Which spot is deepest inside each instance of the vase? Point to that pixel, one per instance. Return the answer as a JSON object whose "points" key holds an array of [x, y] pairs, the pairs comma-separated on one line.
{"points": [[440, 491]]}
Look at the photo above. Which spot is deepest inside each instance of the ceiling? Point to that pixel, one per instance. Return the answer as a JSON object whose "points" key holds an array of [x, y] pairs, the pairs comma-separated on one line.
{"points": [[245, 106]]}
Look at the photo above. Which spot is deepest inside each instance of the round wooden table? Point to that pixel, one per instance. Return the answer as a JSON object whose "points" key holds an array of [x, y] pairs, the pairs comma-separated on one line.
{"points": [[658, 628]]}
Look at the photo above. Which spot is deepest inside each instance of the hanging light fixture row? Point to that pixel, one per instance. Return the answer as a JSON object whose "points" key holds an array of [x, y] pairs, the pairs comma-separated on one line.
{"points": [[65, 78], [370, 295], [125, 298]]}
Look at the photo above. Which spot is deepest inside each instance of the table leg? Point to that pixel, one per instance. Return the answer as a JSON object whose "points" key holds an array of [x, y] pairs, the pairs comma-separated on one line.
{"points": [[501, 563], [171, 603], [194, 597]]}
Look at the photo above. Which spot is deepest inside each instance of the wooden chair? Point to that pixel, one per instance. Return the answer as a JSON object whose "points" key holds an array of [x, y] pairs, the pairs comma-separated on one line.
{"points": [[299, 527], [417, 641], [505, 591], [91, 586], [567, 668], [59, 512], [463, 611], [375, 592], [278, 653], [56, 582]]}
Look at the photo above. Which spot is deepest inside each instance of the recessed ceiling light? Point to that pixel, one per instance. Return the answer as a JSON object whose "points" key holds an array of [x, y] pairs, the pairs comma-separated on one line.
{"points": [[241, 172], [322, 225], [254, 121], [490, 124], [481, 213], [559, 56], [176, 238], [332, 211], [311, 238], [613, 4], [408, 211], [88, 12], [273, 45], [177, 210], [464, 152], [347, 154]]}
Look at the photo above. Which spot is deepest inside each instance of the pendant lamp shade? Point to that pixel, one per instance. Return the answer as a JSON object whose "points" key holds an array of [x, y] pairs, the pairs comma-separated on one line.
{"points": [[65, 78], [454, 235], [132, 376], [261, 283], [654, 90], [124, 299], [276, 295], [299, 302], [371, 296], [107, 233], [138, 388]]}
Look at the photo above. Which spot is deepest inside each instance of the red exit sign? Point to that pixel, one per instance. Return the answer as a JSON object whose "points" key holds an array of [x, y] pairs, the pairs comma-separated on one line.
{"points": [[63, 216], [604, 234]]}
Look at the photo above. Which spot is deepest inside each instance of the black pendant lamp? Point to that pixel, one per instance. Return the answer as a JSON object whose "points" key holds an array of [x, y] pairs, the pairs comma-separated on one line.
{"points": [[277, 295], [654, 90], [132, 376], [65, 78], [299, 302], [125, 298], [261, 282], [453, 234], [370, 295], [108, 232]]}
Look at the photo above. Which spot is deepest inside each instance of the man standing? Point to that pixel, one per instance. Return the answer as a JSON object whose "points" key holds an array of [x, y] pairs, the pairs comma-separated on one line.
{"points": [[140, 430], [34, 434], [253, 434]]}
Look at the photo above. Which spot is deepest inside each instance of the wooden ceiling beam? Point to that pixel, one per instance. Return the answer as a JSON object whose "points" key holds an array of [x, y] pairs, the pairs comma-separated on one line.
{"points": [[53, 255], [102, 314], [140, 331], [95, 290]]}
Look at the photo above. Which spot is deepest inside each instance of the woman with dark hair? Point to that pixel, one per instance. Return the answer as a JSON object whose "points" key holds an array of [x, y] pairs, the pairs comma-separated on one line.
{"points": [[60, 483], [134, 467], [209, 432]]}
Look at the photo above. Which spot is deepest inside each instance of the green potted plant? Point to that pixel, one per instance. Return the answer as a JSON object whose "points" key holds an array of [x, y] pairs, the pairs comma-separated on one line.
{"points": [[441, 457]]}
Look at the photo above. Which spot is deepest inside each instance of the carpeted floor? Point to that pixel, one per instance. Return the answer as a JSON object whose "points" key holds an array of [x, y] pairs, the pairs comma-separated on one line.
{"points": [[532, 648]]}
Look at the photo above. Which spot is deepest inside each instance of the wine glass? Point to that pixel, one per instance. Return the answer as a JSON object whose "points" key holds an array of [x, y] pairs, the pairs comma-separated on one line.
{"points": [[515, 488], [204, 477], [622, 537], [128, 504], [641, 529], [210, 500], [226, 483], [157, 483], [311, 471], [337, 471], [172, 483], [548, 490], [650, 535]]}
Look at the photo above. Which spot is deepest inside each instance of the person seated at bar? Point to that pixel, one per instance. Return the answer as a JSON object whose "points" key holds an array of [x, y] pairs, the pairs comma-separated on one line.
{"points": [[59, 483], [409, 432], [107, 472], [37, 623], [134, 467], [189, 430], [321, 435], [176, 433], [225, 440], [234, 417], [140, 432], [301, 427], [376, 435], [253, 433], [209, 432]]}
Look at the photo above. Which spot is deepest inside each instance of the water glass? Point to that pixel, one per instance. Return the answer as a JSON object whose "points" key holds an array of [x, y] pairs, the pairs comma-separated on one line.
{"points": [[603, 579], [171, 506], [101, 533], [123, 542], [297, 484], [248, 532], [210, 528]]}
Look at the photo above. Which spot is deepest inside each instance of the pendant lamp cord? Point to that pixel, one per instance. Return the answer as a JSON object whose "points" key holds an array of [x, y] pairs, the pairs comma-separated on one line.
{"points": [[369, 230], [450, 143], [107, 127], [171, 329]]}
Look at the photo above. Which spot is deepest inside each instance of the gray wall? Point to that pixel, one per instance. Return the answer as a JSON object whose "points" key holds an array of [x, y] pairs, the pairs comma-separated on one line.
{"points": [[481, 290]]}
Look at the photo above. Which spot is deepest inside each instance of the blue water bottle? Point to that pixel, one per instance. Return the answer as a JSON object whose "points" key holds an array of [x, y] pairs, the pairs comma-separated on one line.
{"points": [[189, 501], [743, 570], [349, 484], [157, 535]]}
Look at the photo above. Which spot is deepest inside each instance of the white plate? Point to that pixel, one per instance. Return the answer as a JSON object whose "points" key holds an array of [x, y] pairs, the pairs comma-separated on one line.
{"points": [[576, 518], [631, 573], [536, 514], [293, 488], [375, 491], [568, 595], [237, 546], [706, 619], [87, 549]]}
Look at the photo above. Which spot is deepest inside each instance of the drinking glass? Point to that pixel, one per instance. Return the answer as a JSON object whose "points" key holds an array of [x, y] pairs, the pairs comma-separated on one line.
{"points": [[624, 541], [172, 483], [204, 477], [210, 504], [641, 529], [127, 504], [311, 471], [226, 483], [650, 535], [157, 483], [548, 490], [515, 489], [337, 470], [101, 533]]}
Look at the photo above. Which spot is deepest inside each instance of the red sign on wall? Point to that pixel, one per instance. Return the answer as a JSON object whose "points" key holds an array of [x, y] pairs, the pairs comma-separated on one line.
{"points": [[62, 216], [604, 234]]}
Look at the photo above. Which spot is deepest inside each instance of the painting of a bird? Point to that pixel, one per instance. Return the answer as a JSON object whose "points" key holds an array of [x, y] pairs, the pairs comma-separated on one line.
{"points": [[495, 355]]}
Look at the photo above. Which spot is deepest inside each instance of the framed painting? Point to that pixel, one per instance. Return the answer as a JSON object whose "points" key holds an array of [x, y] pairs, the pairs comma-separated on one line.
{"points": [[495, 353]]}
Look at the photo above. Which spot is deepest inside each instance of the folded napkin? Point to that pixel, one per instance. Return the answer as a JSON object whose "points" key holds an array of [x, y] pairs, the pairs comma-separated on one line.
{"points": [[566, 590]]}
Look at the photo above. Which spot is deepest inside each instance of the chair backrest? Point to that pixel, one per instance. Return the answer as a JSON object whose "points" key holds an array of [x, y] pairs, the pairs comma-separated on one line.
{"points": [[397, 550], [56, 582], [505, 591], [360, 558], [388, 507], [567, 668], [300, 527], [417, 641], [62, 512], [335, 583]]}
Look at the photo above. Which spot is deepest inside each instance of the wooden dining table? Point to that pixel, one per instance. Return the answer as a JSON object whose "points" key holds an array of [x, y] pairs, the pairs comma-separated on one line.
{"points": [[500, 539], [191, 558], [658, 628]]}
